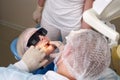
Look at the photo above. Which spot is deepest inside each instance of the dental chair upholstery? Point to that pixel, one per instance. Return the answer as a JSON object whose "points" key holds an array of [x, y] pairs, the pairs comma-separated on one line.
{"points": [[106, 10], [14, 50]]}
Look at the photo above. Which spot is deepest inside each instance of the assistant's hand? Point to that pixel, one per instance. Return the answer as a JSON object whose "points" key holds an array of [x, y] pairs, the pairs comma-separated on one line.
{"points": [[34, 58], [37, 14]]}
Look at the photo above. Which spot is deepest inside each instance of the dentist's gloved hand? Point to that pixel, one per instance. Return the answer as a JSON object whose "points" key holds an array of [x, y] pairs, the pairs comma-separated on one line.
{"points": [[32, 59], [37, 14]]}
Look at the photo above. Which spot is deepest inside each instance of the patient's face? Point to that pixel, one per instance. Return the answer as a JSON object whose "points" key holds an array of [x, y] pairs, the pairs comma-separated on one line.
{"points": [[25, 36], [44, 44]]}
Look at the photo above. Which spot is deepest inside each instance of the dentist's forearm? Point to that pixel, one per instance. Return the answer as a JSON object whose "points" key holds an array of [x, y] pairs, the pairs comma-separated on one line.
{"points": [[87, 5]]}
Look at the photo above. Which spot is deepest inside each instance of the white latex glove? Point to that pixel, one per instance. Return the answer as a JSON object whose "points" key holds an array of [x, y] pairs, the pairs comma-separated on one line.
{"points": [[37, 14], [34, 58]]}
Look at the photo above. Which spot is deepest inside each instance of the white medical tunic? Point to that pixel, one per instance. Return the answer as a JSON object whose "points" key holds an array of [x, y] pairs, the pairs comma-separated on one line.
{"points": [[12, 73], [63, 14]]}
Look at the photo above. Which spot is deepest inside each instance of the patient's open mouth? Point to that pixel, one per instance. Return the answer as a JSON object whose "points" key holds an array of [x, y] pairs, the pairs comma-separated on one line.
{"points": [[48, 48]]}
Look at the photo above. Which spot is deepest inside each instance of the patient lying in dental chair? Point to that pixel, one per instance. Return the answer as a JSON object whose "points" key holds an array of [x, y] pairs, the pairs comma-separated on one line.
{"points": [[36, 37]]}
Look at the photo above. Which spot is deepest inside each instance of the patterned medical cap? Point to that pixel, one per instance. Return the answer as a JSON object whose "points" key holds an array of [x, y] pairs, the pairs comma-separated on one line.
{"points": [[88, 54]]}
